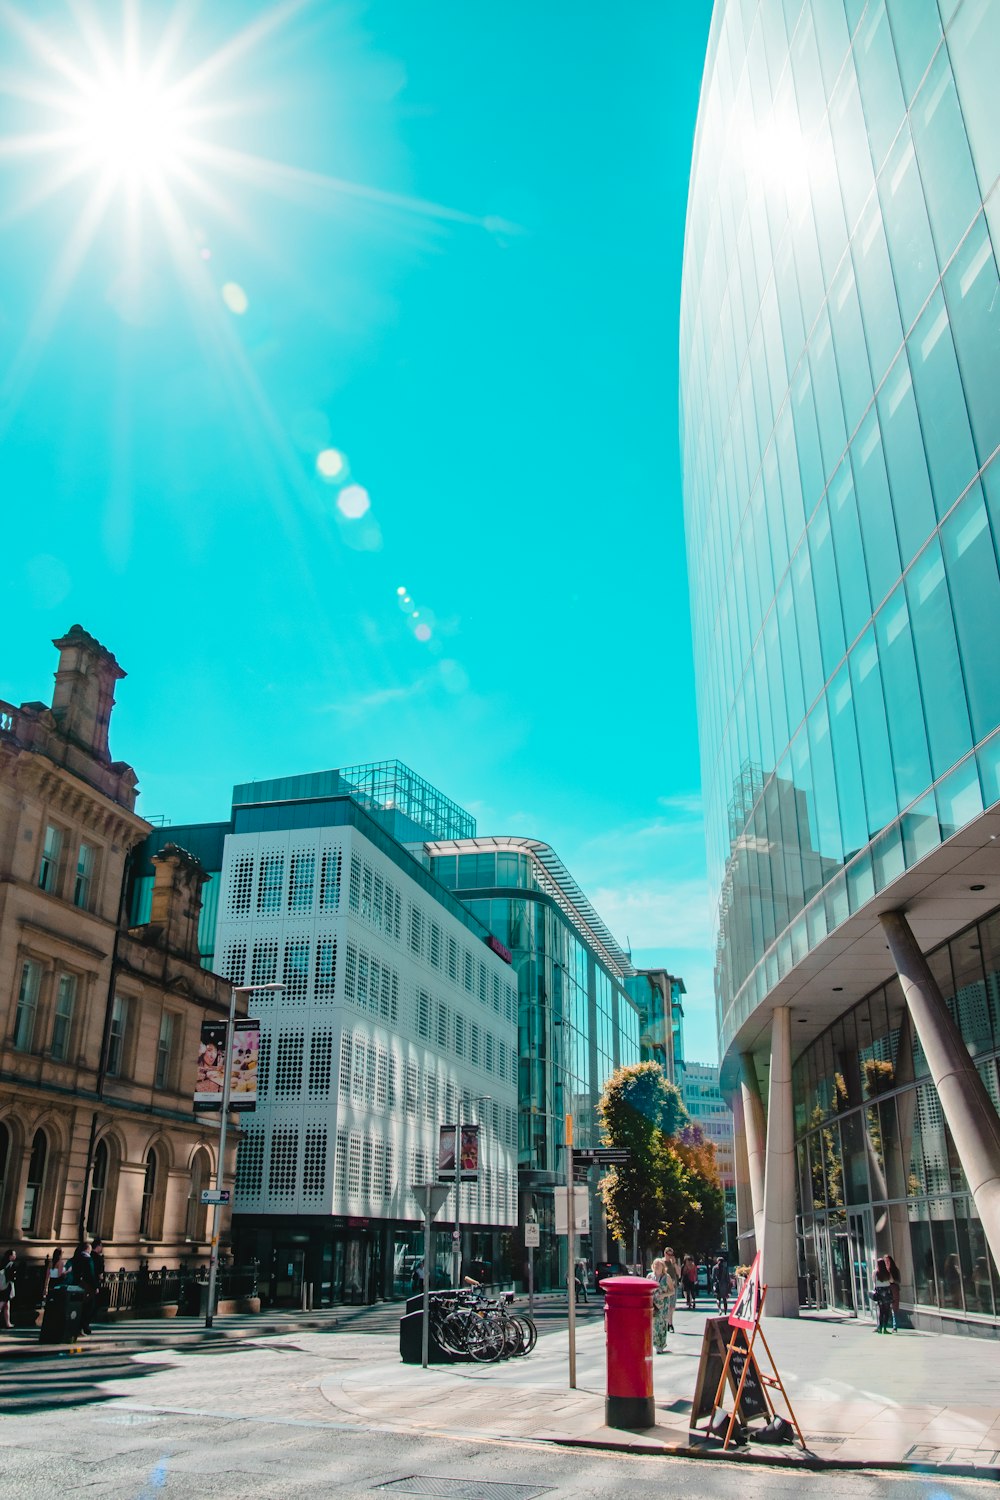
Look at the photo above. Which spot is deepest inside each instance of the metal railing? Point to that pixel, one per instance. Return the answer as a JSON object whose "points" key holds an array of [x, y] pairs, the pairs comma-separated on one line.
{"points": [[139, 1293]]}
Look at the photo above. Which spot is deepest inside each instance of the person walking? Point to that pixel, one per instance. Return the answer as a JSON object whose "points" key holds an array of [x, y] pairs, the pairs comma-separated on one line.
{"points": [[689, 1280], [82, 1269], [662, 1289], [720, 1284], [674, 1272], [7, 1267]]}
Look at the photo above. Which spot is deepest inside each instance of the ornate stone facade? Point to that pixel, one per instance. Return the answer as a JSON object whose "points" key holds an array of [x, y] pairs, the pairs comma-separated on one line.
{"points": [[99, 1024]]}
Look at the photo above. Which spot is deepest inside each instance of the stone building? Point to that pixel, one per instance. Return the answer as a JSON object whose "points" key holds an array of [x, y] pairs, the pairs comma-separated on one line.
{"points": [[99, 1024]]}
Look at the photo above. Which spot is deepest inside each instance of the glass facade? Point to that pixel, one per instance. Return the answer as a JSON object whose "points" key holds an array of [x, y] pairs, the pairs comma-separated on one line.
{"points": [[840, 416], [576, 1021], [878, 1170]]}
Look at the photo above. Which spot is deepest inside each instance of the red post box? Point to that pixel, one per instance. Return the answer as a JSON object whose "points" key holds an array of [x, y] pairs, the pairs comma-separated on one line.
{"points": [[628, 1331]]}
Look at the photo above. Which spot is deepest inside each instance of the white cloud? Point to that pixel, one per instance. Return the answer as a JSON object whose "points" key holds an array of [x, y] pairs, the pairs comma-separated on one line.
{"points": [[688, 804], [657, 913]]}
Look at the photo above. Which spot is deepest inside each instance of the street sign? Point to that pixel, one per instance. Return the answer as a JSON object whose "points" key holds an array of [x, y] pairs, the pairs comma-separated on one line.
{"points": [[532, 1235], [581, 1210], [431, 1196], [601, 1156], [215, 1195]]}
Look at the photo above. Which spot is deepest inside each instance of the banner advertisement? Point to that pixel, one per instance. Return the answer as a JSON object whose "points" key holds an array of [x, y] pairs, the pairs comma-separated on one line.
{"points": [[446, 1153], [211, 1065], [468, 1153], [243, 1065], [469, 1162]]}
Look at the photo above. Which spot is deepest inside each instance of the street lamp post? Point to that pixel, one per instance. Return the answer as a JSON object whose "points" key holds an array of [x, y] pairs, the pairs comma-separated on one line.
{"points": [[213, 1265], [456, 1243]]}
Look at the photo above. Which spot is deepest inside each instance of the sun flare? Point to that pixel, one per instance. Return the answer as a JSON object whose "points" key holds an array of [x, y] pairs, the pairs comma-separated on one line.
{"points": [[131, 125]]}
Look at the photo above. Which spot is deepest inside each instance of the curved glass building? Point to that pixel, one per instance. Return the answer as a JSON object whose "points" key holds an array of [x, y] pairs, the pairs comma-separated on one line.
{"points": [[840, 420]]}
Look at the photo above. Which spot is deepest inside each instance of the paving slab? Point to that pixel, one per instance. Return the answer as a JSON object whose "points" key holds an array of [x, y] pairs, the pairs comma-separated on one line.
{"points": [[913, 1400]]}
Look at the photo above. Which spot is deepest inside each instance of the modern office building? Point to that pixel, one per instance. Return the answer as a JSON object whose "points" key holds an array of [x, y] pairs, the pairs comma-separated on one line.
{"points": [[576, 1019], [840, 417], [658, 997], [701, 1091], [398, 1012]]}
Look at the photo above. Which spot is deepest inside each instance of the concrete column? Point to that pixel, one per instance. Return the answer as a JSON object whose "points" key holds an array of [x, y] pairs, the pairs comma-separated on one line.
{"points": [[745, 1233], [967, 1107], [778, 1256], [755, 1132]]}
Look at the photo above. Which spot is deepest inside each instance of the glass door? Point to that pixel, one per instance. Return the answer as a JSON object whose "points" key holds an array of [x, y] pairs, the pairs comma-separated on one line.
{"points": [[861, 1239]]}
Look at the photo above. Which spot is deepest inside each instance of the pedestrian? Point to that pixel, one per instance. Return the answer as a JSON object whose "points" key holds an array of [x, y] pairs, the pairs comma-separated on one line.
{"points": [[720, 1284], [689, 1281], [7, 1267], [887, 1275], [674, 1272], [662, 1289], [100, 1291], [882, 1298], [58, 1271], [82, 1270]]}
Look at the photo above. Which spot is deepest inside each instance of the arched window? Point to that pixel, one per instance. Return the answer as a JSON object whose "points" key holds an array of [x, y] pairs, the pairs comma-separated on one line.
{"points": [[201, 1172], [98, 1191], [30, 1214], [4, 1167], [147, 1218]]}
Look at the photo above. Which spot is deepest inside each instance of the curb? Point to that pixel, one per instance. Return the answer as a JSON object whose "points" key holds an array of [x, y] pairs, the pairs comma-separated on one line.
{"points": [[185, 1338]]}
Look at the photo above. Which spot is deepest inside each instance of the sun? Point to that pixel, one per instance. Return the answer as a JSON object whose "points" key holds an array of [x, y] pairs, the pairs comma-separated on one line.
{"points": [[130, 125]]}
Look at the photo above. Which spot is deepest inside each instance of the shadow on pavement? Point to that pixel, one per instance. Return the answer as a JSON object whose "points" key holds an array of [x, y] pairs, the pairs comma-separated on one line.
{"points": [[72, 1382]]}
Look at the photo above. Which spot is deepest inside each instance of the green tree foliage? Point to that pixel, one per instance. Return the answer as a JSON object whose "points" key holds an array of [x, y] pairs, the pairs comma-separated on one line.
{"points": [[672, 1181]]}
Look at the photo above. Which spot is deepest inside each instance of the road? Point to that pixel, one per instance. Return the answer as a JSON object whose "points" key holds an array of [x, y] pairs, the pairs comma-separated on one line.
{"points": [[250, 1420]]}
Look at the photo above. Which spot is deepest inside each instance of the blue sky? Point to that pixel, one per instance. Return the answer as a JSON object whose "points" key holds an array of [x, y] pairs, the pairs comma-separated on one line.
{"points": [[444, 241]]}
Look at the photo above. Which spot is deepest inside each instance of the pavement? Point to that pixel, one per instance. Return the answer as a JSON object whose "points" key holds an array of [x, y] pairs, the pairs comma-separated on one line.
{"points": [[907, 1401]]}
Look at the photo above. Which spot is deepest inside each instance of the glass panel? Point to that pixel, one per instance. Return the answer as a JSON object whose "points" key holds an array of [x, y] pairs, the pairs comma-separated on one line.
{"points": [[938, 662], [973, 1258], [924, 1280], [904, 712], [873, 733], [949, 178], [944, 418], [974, 581], [854, 596], [824, 573], [878, 75], [949, 1270], [916, 32], [878, 524], [877, 288], [972, 291], [974, 46], [959, 799], [843, 732], [902, 443], [911, 247]]}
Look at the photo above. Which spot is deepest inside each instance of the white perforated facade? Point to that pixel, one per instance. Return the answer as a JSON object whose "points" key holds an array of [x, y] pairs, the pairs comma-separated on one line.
{"points": [[392, 1011]]}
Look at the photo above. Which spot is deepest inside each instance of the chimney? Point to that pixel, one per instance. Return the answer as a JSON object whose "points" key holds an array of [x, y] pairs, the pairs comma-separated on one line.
{"points": [[177, 881], [85, 691]]}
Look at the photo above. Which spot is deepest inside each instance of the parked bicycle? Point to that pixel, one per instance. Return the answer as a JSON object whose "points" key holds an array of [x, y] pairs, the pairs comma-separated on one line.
{"points": [[470, 1325]]}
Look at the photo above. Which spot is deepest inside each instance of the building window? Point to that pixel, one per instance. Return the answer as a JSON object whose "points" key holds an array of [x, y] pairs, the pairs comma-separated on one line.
{"points": [[283, 1162], [4, 1163], [329, 880], [300, 880], [84, 880], [31, 1212], [117, 1036], [98, 1191], [201, 1169], [147, 1215], [48, 869], [165, 1050], [241, 885], [314, 1162], [272, 878], [326, 969], [288, 1065], [250, 1163], [62, 1024], [320, 1064], [27, 1005]]}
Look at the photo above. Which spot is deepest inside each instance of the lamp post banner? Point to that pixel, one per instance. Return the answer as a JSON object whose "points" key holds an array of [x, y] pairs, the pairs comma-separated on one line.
{"points": [[469, 1159], [211, 1065], [446, 1153], [243, 1064]]}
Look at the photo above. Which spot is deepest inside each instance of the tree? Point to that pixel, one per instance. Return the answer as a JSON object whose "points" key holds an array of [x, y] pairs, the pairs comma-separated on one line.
{"points": [[639, 1110], [672, 1180]]}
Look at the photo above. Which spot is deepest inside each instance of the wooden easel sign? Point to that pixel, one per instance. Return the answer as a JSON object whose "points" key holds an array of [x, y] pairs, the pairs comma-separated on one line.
{"points": [[729, 1356]]}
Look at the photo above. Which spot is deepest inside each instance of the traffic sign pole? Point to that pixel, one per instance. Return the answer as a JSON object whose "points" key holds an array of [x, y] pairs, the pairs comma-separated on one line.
{"points": [[571, 1246]]}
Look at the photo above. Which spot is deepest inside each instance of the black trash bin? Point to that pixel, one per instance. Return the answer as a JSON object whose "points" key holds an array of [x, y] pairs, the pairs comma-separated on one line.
{"points": [[63, 1315], [411, 1328]]}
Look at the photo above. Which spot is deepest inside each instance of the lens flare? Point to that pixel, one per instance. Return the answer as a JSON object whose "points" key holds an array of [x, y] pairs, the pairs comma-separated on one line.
{"points": [[330, 464], [353, 501]]}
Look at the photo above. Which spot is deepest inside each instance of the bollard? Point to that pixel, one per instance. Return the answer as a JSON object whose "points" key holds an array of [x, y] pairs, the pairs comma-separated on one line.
{"points": [[628, 1332]]}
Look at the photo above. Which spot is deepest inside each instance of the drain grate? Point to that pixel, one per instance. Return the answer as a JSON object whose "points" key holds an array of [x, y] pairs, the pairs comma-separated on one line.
{"points": [[463, 1489]]}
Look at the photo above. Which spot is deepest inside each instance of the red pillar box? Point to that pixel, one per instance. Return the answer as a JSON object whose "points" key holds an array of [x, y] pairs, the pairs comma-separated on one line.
{"points": [[628, 1330]]}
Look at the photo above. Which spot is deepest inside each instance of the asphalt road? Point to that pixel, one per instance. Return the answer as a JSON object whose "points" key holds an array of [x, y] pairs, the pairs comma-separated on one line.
{"points": [[251, 1421]]}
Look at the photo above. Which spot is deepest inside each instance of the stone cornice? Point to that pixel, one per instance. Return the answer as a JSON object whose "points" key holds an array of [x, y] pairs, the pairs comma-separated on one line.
{"points": [[78, 802]]}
